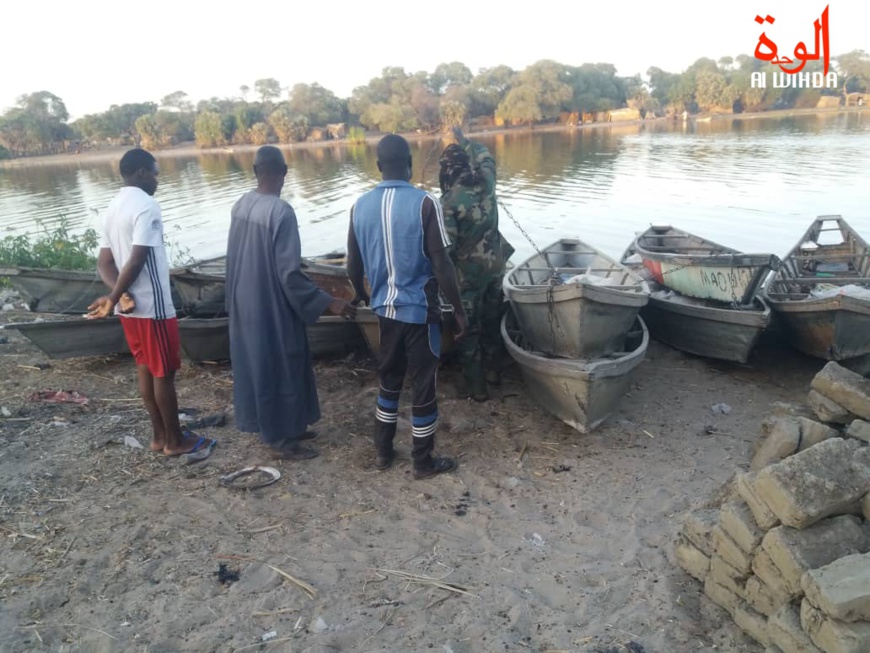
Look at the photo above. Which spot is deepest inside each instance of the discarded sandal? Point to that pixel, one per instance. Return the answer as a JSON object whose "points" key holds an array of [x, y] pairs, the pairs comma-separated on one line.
{"points": [[201, 450]]}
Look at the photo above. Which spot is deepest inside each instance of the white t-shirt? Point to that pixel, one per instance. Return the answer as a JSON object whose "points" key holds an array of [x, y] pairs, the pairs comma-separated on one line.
{"points": [[133, 218]]}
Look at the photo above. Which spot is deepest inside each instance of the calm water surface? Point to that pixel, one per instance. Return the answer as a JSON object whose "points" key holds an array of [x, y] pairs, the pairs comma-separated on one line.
{"points": [[752, 184]]}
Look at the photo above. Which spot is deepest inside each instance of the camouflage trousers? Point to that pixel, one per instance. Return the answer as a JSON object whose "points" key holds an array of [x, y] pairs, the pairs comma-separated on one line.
{"points": [[483, 302]]}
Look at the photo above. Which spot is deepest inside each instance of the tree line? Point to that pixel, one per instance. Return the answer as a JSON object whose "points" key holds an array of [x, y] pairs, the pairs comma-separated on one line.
{"points": [[399, 101]]}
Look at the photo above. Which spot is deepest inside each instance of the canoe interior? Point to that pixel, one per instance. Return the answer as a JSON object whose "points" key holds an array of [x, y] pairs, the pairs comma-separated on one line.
{"points": [[668, 240], [573, 301], [202, 286], [830, 253], [75, 338], [569, 258]]}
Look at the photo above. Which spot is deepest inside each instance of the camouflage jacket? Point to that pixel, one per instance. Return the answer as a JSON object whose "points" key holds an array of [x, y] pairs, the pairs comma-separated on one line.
{"points": [[471, 218]]}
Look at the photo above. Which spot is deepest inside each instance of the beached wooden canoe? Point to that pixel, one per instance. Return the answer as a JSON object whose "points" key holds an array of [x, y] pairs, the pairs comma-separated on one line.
{"points": [[75, 337], [202, 287], [822, 292], [202, 339], [208, 339], [696, 267], [60, 291], [699, 326], [573, 301], [580, 392]]}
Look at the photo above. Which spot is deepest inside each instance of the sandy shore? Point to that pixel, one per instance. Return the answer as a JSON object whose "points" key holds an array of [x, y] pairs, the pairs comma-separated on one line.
{"points": [[562, 541], [189, 149]]}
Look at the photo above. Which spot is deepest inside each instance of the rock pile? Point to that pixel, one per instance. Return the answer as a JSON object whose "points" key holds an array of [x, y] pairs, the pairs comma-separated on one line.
{"points": [[786, 552]]}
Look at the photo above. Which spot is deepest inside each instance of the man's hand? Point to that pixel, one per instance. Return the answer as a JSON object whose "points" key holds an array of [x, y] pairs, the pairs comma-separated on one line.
{"points": [[101, 308], [361, 299], [457, 134], [342, 307], [126, 304], [460, 324]]}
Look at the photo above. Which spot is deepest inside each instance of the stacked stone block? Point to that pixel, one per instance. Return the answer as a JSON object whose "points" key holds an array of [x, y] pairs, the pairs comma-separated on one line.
{"points": [[787, 554]]}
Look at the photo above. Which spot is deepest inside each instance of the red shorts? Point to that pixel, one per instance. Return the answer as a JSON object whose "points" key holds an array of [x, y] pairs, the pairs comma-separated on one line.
{"points": [[154, 343]]}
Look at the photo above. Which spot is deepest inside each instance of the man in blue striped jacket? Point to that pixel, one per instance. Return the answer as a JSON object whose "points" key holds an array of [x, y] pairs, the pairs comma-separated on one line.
{"points": [[397, 240]]}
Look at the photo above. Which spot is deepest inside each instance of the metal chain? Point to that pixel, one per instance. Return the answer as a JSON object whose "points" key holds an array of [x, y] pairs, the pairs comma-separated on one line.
{"points": [[552, 279], [525, 235]]}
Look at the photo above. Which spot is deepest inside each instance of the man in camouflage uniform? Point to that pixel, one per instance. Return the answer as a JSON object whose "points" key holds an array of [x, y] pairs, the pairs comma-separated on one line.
{"points": [[479, 253]]}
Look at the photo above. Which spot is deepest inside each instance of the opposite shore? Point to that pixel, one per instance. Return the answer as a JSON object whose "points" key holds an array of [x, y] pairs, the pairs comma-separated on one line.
{"points": [[189, 149]]}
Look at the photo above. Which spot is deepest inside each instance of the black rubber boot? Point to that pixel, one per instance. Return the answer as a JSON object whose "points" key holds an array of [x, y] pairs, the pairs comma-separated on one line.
{"points": [[474, 381], [384, 452]]}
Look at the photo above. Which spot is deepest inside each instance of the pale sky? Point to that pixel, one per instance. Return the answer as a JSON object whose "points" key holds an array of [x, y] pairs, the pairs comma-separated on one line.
{"points": [[94, 53]]}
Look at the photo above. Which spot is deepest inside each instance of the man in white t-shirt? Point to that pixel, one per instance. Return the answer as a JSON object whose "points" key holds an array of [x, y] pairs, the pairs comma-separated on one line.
{"points": [[133, 264]]}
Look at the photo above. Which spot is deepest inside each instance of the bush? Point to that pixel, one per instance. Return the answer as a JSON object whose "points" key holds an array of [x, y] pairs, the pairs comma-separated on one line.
{"points": [[356, 135], [53, 248]]}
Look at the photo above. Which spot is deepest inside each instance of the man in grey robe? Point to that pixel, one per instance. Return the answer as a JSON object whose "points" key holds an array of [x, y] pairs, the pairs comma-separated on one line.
{"points": [[269, 302]]}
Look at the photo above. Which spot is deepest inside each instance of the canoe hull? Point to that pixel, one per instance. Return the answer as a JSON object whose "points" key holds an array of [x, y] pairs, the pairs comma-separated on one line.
{"points": [[209, 339], [699, 268], [833, 329], [721, 333], [574, 320], [75, 338], [723, 283], [583, 393]]}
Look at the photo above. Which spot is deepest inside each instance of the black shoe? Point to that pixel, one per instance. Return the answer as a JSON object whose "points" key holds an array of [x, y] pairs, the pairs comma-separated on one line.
{"points": [[439, 466], [308, 435], [293, 452]]}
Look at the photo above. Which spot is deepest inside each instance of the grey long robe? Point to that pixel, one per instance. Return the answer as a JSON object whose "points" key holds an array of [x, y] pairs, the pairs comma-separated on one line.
{"points": [[269, 301]]}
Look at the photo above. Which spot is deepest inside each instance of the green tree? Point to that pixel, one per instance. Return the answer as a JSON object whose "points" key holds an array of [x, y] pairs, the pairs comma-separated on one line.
{"points": [[149, 135], [121, 119], [288, 127], [488, 89], [389, 117], [176, 101], [854, 69], [454, 73], [244, 89], [268, 89], [208, 130], [539, 93], [320, 105], [259, 133], [594, 87], [710, 91], [520, 105], [452, 113]]}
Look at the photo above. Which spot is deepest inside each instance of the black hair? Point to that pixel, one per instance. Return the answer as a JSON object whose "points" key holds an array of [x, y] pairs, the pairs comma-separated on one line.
{"points": [[270, 160], [135, 160], [393, 150]]}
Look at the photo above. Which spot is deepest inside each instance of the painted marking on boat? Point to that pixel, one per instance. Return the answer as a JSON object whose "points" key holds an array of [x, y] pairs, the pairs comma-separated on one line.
{"points": [[731, 280]]}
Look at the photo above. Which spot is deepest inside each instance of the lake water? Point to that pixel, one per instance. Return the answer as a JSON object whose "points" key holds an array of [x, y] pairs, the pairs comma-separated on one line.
{"points": [[753, 184]]}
